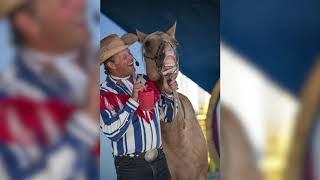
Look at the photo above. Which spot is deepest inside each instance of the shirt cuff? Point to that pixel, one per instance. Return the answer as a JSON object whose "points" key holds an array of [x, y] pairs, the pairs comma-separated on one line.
{"points": [[133, 104]]}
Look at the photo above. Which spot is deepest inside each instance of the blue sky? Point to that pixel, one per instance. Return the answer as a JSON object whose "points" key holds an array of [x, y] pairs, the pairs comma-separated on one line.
{"points": [[6, 49]]}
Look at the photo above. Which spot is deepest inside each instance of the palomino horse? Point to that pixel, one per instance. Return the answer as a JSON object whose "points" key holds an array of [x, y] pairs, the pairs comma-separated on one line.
{"points": [[183, 141]]}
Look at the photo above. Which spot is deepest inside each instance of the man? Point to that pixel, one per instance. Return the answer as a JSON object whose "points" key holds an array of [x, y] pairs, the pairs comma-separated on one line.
{"points": [[134, 132], [48, 122]]}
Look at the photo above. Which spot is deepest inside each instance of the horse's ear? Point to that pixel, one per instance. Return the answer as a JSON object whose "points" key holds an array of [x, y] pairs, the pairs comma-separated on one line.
{"points": [[172, 31], [141, 35], [129, 38]]}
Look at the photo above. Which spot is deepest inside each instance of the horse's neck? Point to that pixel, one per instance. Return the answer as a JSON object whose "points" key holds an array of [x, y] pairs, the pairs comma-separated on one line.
{"points": [[180, 110]]}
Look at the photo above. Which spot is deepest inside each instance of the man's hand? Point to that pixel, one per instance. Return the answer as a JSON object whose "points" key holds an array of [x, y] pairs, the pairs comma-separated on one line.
{"points": [[169, 85], [137, 87]]}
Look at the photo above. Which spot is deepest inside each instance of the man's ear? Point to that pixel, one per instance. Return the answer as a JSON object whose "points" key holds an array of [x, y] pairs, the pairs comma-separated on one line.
{"points": [[110, 65], [172, 31], [26, 24], [141, 36]]}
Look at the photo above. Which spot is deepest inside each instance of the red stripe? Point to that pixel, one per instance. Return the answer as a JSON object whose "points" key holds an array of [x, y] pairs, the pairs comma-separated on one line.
{"points": [[28, 112], [108, 101]]}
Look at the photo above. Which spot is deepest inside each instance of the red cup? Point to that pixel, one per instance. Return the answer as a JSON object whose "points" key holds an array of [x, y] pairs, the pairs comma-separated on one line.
{"points": [[146, 99]]}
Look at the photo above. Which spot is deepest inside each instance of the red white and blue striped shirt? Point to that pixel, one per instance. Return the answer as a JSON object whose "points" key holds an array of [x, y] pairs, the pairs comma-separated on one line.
{"points": [[43, 135], [130, 129]]}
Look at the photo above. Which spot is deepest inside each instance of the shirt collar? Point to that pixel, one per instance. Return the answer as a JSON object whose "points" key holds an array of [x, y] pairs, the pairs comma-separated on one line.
{"points": [[65, 70], [36, 60], [115, 79]]}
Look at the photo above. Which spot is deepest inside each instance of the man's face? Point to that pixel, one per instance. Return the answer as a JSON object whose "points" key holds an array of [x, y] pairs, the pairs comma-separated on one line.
{"points": [[123, 63], [61, 22]]}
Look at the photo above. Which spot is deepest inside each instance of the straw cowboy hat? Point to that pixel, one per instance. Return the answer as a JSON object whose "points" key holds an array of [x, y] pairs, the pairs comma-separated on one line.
{"points": [[114, 44], [6, 6]]}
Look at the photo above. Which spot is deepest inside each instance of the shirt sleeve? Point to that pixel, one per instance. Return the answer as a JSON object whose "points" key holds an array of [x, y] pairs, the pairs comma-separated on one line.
{"points": [[115, 123]]}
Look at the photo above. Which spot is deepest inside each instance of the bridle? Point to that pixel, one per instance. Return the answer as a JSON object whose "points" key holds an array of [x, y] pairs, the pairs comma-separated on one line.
{"points": [[159, 56]]}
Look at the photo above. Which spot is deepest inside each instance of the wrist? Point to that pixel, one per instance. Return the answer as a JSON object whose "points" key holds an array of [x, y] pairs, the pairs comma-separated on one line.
{"points": [[135, 98], [134, 104]]}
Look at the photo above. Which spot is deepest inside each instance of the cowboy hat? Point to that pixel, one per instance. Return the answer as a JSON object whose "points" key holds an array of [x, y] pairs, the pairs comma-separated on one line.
{"points": [[6, 6], [114, 44]]}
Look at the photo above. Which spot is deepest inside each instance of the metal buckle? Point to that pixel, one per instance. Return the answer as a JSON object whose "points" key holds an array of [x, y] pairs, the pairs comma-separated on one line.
{"points": [[131, 155], [151, 155]]}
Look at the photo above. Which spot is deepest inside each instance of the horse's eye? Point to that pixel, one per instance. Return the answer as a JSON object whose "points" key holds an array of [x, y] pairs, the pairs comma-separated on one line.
{"points": [[148, 44]]}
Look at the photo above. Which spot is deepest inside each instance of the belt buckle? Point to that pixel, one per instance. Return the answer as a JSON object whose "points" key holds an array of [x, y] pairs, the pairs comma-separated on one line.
{"points": [[131, 155], [151, 155]]}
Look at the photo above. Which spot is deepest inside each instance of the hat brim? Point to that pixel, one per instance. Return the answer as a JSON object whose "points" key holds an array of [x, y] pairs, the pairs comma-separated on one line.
{"points": [[107, 54], [7, 6]]}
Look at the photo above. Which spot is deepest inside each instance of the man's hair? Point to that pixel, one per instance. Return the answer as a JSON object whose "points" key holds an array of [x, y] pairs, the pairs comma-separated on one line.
{"points": [[106, 69], [17, 36]]}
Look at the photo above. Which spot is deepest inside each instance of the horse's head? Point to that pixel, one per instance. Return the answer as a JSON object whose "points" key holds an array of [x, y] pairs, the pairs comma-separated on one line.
{"points": [[159, 50]]}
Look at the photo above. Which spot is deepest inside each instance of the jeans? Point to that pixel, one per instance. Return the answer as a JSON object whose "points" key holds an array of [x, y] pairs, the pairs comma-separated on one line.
{"points": [[140, 169]]}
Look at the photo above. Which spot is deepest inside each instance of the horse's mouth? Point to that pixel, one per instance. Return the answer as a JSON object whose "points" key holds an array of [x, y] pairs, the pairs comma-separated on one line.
{"points": [[169, 63]]}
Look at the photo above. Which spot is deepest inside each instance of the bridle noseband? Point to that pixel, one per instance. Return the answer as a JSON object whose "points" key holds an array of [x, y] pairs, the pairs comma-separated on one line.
{"points": [[158, 58]]}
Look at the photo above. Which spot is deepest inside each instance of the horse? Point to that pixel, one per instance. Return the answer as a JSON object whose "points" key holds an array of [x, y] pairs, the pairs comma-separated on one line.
{"points": [[183, 141]]}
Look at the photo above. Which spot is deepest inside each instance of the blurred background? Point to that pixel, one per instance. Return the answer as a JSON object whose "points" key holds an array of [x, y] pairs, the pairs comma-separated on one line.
{"points": [[268, 49]]}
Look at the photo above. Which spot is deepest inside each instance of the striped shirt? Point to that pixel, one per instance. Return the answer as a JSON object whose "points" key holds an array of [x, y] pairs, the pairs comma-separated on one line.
{"points": [[130, 129], [42, 134]]}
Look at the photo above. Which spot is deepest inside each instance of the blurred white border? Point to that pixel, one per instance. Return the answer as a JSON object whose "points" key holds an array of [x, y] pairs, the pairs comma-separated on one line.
{"points": [[260, 103]]}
